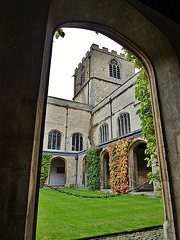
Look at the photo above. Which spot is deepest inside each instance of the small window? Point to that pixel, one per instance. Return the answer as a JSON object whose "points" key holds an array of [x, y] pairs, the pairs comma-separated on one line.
{"points": [[114, 70], [104, 133], [82, 76], [124, 124], [54, 140], [77, 142]]}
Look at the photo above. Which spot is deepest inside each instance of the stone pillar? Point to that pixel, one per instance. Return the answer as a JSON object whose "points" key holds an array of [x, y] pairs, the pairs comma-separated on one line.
{"points": [[21, 110]]}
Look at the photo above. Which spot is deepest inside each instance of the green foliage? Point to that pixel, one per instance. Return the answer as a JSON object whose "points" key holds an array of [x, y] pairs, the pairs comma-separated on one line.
{"points": [[118, 164], [59, 33], [45, 166], [142, 94], [93, 168], [131, 58]]}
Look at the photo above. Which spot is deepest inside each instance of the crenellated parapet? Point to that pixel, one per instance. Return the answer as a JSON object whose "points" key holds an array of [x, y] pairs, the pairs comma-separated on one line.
{"points": [[103, 49]]}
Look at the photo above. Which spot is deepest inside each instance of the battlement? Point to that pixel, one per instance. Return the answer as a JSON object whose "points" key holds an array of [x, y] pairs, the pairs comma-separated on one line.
{"points": [[105, 50], [96, 47]]}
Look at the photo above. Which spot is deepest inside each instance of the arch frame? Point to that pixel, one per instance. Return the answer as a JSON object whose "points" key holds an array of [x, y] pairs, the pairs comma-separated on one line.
{"points": [[84, 162], [102, 155], [120, 38], [155, 105], [132, 161], [66, 167]]}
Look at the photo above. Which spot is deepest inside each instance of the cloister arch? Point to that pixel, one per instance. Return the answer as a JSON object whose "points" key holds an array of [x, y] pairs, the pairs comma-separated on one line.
{"points": [[104, 168], [137, 166], [58, 171], [143, 29], [106, 172], [84, 172]]}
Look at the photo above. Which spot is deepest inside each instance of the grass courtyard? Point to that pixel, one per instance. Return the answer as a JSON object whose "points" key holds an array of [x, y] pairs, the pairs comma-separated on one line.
{"points": [[61, 216]]}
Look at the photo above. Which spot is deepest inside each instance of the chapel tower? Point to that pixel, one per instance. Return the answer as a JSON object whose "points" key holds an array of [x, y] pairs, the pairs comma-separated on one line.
{"points": [[99, 74]]}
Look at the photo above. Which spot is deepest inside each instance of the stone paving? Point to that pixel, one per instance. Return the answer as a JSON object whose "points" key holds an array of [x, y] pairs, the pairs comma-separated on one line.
{"points": [[147, 235]]}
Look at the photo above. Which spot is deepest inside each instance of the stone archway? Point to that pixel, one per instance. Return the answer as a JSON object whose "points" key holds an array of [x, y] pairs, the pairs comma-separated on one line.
{"points": [[106, 172], [84, 179], [136, 164], [115, 35], [57, 175], [140, 168], [29, 52], [104, 168]]}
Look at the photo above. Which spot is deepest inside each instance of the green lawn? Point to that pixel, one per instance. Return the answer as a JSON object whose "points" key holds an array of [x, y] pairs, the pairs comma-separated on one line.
{"points": [[61, 216]]}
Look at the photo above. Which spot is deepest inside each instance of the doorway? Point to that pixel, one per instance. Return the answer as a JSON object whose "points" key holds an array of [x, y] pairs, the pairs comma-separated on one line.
{"points": [[106, 172], [57, 173], [140, 167]]}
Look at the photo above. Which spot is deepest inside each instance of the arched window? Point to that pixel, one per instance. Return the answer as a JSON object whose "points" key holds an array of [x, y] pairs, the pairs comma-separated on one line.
{"points": [[104, 133], [124, 124], [77, 142], [54, 140], [82, 76], [114, 70]]}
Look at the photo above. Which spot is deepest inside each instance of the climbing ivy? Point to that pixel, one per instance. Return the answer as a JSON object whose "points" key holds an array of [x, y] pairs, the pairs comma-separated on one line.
{"points": [[93, 168], [118, 164], [45, 166], [142, 94]]}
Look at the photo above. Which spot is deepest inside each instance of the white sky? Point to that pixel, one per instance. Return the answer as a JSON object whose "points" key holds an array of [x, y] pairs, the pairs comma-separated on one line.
{"points": [[67, 53]]}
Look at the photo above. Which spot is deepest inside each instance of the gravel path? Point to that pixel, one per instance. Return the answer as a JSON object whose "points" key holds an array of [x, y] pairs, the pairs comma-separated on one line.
{"points": [[147, 235]]}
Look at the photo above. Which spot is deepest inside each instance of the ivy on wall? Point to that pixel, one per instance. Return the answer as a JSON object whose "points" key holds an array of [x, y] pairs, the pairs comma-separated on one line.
{"points": [[142, 94], [118, 164], [93, 168], [45, 166]]}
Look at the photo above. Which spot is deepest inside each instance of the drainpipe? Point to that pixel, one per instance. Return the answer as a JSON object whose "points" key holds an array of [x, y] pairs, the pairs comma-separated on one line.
{"points": [[76, 158], [88, 93], [65, 148], [89, 75], [74, 84], [110, 102]]}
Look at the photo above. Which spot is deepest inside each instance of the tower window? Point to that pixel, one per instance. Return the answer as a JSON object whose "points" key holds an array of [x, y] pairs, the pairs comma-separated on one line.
{"points": [[104, 133], [77, 142], [114, 70], [124, 124], [82, 76], [54, 140]]}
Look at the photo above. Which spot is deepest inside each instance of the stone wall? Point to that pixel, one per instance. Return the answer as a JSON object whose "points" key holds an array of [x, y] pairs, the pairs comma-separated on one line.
{"points": [[122, 101], [82, 97], [77, 120], [100, 89]]}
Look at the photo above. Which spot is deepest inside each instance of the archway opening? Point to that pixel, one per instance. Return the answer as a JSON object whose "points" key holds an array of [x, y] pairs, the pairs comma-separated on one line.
{"points": [[84, 179], [68, 114], [106, 172], [141, 169], [57, 176]]}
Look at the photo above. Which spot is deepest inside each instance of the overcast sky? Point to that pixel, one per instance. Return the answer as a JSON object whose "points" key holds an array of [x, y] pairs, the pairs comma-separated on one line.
{"points": [[67, 53]]}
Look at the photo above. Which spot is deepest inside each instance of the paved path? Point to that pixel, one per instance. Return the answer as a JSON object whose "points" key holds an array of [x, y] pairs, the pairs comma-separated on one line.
{"points": [[147, 235]]}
